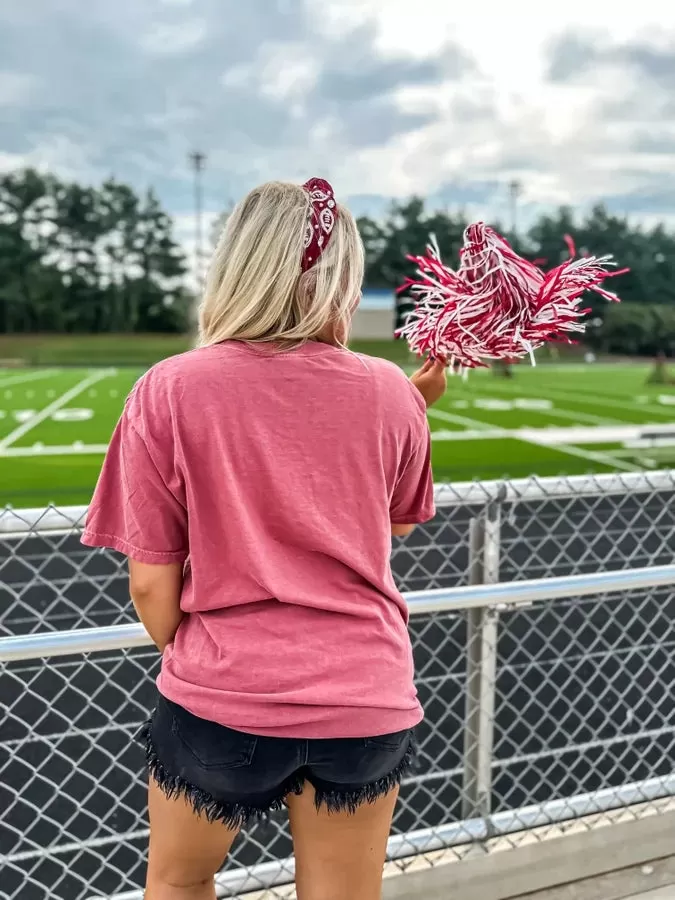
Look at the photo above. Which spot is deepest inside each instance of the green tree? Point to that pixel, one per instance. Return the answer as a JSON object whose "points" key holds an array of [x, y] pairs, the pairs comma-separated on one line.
{"points": [[406, 231], [25, 228], [80, 258]]}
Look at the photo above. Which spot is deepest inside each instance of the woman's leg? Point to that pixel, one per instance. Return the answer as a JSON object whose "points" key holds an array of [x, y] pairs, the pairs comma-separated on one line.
{"points": [[339, 856], [186, 850]]}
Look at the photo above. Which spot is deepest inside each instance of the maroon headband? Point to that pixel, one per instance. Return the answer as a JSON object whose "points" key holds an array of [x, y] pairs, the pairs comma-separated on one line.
{"points": [[321, 221]]}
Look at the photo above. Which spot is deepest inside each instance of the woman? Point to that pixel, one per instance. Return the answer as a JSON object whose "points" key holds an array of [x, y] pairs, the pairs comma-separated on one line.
{"points": [[255, 483]]}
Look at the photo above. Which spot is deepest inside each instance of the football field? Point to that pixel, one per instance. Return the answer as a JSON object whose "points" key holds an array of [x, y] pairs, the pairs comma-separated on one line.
{"points": [[55, 424]]}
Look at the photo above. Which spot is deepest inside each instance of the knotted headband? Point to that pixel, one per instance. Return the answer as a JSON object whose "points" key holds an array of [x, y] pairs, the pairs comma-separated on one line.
{"points": [[321, 221]]}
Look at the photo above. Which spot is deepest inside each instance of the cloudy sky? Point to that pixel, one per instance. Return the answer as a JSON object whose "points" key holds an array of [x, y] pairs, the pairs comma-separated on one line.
{"points": [[384, 97]]}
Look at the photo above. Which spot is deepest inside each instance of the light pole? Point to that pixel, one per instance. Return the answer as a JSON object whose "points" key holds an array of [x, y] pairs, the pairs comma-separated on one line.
{"points": [[515, 190], [198, 161]]}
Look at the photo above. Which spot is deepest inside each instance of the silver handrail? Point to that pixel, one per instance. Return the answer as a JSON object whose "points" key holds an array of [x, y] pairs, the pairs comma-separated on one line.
{"points": [[501, 595], [471, 493]]}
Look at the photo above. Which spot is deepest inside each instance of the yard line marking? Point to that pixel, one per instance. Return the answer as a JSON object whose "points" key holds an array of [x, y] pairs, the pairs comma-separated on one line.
{"points": [[55, 450], [551, 436], [479, 435], [31, 376], [53, 406], [667, 451], [603, 400], [633, 396], [559, 413], [580, 417], [542, 437], [593, 455], [474, 424], [600, 400]]}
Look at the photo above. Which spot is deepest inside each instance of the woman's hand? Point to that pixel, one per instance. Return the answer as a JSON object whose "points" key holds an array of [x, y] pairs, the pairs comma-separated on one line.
{"points": [[431, 380]]}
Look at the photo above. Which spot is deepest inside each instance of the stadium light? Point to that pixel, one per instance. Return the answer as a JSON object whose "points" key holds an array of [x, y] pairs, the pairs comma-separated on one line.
{"points": [[198, 162]]}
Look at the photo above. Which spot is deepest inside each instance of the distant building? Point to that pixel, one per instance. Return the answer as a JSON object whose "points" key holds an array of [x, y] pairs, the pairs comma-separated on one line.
{"points": [[377, 299], [374, 319]]}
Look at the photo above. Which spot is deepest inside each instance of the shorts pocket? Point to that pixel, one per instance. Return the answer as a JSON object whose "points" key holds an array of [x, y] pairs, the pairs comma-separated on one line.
{"points": [[391, 742], [212, 745]]}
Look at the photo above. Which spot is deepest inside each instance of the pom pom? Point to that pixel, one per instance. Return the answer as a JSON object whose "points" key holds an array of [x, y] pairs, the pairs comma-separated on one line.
{"points": [[497, 305]]}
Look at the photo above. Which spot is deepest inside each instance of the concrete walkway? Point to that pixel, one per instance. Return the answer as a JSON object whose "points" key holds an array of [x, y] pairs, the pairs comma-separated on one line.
{"points": [[652, 881], [665, 893]]}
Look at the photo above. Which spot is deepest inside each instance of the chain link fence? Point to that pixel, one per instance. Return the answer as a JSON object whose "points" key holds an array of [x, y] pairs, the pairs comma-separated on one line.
{"points": [[539, 716]]}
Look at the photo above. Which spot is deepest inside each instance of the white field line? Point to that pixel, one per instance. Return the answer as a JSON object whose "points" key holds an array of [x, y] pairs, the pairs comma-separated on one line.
{"points": [[552, 436], [474, 424], [586, 367], [598, 400], [604, 459], [579, 417], [618, 395], [55, 450], [603, 400], [666, 452], [568, 414], [54, 405], [30, 376], [557, 439], [473, 435]]}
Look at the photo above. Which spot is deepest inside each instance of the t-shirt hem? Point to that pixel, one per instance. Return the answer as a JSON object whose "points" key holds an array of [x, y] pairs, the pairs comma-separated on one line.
{"points": [[343, 721], [414, 518], [114, 542]]}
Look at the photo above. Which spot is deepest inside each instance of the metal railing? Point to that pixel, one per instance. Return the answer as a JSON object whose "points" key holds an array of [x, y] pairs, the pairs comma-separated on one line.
{"points": [[547, 699]]}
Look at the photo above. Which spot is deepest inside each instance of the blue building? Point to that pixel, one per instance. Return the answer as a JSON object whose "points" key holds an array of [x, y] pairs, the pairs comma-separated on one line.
{"points": [[378, 298]]}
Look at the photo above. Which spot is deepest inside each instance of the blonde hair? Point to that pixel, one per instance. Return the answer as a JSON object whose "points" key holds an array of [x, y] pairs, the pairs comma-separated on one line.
{"points": [[255, 289]]}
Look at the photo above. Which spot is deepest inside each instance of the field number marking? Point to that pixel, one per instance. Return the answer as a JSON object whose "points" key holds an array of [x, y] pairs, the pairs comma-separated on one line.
{"points": [[55, 405], [70, 414]]}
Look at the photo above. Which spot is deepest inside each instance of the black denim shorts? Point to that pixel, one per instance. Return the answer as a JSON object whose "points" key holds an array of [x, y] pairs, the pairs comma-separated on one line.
{"points": [[233, 777]]}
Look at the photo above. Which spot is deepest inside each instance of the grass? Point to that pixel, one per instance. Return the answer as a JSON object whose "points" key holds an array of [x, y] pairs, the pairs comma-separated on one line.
{"points": [[130, 349], [55, 422]]}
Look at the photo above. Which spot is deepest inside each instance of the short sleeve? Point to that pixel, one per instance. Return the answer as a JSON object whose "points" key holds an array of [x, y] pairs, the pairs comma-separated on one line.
{"points": [[133, 510], [412, 502]]}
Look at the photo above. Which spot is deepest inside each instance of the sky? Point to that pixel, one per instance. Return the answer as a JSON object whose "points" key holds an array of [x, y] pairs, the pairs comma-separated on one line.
{"points": [[386, 98]]}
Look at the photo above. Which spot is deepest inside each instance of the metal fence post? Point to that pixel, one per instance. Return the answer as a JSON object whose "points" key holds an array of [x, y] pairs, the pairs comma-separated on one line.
{"points": [[481, 667]]}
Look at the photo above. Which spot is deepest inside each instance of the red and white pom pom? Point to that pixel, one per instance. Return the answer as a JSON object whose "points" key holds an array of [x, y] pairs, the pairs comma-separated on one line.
{"points": [[496, 305]]}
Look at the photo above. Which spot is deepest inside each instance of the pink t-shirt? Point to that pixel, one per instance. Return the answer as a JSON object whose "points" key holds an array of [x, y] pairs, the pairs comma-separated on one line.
{"points": [[274, 476]]}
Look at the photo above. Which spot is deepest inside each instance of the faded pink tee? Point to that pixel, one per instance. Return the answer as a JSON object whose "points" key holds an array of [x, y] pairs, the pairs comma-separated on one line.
{"points": [[274, 477]]}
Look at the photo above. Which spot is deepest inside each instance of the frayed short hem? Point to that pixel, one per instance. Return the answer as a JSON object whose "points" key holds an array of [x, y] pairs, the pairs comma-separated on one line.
{"points": [[237, 816], [234, 816], [338, 800]]}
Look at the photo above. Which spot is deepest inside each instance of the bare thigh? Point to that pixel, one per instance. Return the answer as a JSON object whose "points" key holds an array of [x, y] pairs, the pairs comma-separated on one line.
{"points": [[339, 856], [186, 850]]}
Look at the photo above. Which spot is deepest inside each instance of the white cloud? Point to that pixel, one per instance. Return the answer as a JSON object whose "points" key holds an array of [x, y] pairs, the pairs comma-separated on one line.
{"points": [[15, 88], [57, 154], [171, 38], [387, 99]]}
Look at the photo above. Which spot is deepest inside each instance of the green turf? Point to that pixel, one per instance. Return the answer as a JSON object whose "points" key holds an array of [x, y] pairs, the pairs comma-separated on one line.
{"points": [[510, 425], [132, 349], [36, 482], [504, 458]]}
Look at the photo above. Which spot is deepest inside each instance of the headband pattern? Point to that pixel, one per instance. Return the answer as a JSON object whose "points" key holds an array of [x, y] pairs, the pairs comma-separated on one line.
{"points": [[321, 222]]}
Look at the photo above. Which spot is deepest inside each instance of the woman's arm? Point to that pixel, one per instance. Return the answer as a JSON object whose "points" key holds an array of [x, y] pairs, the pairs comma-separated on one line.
{"points": [[155, 591], [401, 530]]}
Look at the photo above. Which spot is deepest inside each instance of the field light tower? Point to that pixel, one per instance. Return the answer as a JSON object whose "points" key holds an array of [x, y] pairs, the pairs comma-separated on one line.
{"points": [[515, 191], [198, 161]]}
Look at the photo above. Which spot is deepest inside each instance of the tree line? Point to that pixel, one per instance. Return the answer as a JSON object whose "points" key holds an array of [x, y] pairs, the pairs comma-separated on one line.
{"points": [[104, 259], [87, 259], [643, 323]]}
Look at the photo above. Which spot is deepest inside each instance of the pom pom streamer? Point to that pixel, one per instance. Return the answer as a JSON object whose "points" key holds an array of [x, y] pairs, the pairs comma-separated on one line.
{"points": [[497, 305]]}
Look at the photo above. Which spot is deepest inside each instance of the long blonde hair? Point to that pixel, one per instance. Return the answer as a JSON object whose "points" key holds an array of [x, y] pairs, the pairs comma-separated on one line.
{"points": [[255, 289]]}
